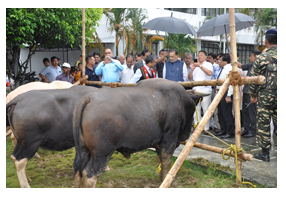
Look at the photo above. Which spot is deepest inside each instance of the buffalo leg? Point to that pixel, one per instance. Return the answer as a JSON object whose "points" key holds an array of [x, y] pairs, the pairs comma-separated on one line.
{"points": [[20, 169], [94, 168], [166, 161], [14, 143], [165, 153]]}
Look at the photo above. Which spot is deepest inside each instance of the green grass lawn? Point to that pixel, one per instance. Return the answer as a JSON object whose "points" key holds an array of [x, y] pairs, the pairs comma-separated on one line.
{"points": [[54, 170]]}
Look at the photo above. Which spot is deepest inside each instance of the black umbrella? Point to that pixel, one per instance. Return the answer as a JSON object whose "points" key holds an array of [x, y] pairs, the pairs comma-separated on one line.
{"points": [[170, 25], [220, 24]]}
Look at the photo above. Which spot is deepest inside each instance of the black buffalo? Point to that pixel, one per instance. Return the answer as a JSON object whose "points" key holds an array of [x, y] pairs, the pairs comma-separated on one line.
{"points": [[157, 113], [42, 118]]}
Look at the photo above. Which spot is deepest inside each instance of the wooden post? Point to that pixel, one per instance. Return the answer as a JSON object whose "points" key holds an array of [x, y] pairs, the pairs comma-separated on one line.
{"points": [[81, 80], [243, 156], [218, 82], [83, 44], [192, 140], [259, 80], [235, 88]]}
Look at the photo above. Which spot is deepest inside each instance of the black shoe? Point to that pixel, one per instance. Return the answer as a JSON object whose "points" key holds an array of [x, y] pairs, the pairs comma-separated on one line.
{"points": [[227, 136], [244, 133], [220, 133], [263, 155], [249, 135]]}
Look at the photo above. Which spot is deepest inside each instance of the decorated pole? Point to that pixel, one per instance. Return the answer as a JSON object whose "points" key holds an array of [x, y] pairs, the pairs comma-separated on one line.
{"points": [[83, 44], [235, 89], [192, 140]]}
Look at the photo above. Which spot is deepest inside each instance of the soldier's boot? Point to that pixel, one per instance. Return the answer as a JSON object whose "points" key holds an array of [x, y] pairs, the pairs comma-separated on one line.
{"points": [[263, 155]]}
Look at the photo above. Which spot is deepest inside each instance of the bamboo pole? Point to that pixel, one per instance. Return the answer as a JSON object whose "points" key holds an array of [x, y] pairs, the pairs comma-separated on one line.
{"points": [[192, 140], [83, 44], [81, 80], [243, 156], [259, 80], [235, 89]]}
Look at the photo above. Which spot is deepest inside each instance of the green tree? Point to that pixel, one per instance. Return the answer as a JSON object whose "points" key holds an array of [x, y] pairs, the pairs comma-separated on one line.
{"points": [[132, 32], [266, 18], [115, 21], [44, 27], [181, 42], [137, 36]]}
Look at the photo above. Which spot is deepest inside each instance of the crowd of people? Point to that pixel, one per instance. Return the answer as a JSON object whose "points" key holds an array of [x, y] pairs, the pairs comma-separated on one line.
{"points": [[170, 66]]}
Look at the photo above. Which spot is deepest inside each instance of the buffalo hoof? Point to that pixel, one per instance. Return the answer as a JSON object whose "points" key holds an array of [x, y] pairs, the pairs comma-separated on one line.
{"points": [[88, 182], [37, 156], [107, 169], [91, 182]]}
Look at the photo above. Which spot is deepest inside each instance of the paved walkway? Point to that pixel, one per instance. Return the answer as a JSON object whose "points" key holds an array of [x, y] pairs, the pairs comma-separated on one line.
{"points": [[255, 171]]}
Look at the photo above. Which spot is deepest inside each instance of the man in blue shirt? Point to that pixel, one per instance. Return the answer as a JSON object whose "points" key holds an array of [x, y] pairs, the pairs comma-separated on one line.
{"points": [[50, 73], [90, 70], [109, 68]]}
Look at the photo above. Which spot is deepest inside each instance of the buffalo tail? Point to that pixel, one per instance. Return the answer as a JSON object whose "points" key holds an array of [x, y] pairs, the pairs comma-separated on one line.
{"points": [[77, 133], [9, 115]]}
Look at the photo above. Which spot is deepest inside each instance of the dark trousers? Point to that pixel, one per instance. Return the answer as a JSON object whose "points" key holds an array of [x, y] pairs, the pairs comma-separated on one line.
{"points": [[225, 116], [248, 114]]}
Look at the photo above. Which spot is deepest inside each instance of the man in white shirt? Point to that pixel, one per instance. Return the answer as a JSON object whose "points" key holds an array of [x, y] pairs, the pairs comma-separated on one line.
{"points": [[226, 120], [202, 70], [188, 59], [121, 59], [126, 75]]}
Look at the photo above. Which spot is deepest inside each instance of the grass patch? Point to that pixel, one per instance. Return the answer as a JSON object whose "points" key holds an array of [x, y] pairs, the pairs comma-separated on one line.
{"points": [[54, 170]]}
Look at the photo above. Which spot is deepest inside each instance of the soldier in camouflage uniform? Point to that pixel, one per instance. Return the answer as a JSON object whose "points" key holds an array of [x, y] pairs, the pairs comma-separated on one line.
{"points": [[265, 95]]}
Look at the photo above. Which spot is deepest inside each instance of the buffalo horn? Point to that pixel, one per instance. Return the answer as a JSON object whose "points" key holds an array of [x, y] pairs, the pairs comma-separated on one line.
{"points": [[196, 92]]}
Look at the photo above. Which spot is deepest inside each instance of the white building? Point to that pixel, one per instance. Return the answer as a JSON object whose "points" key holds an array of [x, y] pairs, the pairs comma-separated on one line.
{"points": [[195, 16]]}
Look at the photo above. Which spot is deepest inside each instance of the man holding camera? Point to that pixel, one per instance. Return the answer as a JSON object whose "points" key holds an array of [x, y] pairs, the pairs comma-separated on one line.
{"points": [[109, 68]]}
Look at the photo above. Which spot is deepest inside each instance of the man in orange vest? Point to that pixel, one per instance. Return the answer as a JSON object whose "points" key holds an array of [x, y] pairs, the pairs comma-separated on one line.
{"points": [[146, 71]]}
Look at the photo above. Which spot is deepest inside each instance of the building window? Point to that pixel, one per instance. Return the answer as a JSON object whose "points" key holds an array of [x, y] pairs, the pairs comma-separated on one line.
{"points": [[184, 10], [215, 11], [210, 47], [244, 52]]}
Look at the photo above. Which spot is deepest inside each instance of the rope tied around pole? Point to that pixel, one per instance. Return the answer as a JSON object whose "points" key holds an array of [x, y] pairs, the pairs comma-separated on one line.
{"points": [[232, 148], [198, 121], [235, 78]]}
